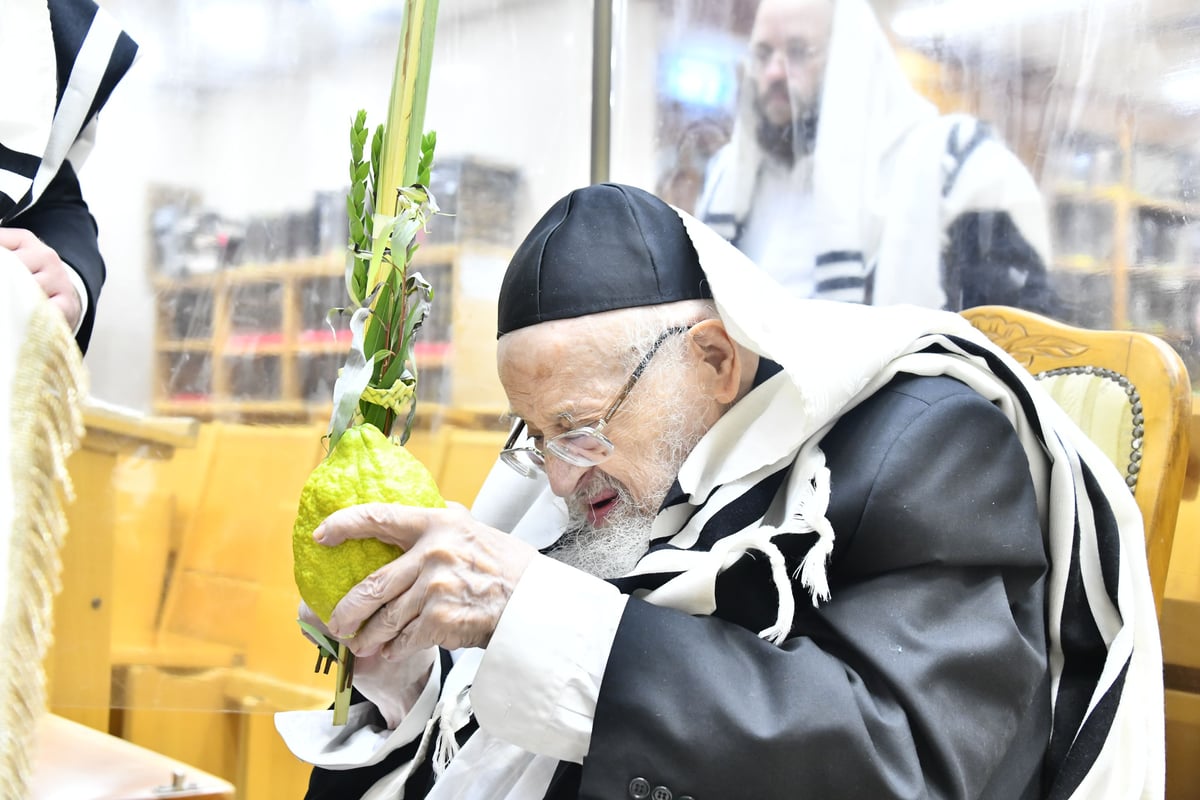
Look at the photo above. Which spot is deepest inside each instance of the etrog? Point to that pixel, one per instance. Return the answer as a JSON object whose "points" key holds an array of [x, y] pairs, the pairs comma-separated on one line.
{"points": [[364, 467]]}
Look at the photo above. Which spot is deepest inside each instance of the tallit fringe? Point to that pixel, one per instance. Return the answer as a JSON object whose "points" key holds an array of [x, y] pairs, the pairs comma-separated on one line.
{"points": [[811, 512], [445, 748], [47, 424], [777, 633], [448, 716]]}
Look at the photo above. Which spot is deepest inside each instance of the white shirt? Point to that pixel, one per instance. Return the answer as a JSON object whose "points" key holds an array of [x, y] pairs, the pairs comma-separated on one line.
{"points": [[779, 231]]}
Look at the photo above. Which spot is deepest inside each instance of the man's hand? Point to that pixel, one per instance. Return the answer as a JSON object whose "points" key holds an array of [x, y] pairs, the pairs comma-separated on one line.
{"points": [[448, 589], [392, 686], [50, 271]]}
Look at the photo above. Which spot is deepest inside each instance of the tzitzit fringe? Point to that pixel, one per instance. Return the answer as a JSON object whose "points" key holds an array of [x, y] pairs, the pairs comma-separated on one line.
{"points": [[47, 424]]}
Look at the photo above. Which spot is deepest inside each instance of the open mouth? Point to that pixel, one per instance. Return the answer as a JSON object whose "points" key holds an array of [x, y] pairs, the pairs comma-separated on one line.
{"points": [[600, 506]]}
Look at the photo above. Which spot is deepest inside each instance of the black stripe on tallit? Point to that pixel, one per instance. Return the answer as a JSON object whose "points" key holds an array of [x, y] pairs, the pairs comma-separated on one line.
{"points": [[70, 21], [15, 161], [838, 257], [1083, 648], [1001, 370], [981, 135], [834, 284], [745, 509], [1084, 652], [118, 64], [1108, 537], [1082, 757], [720, 219]]}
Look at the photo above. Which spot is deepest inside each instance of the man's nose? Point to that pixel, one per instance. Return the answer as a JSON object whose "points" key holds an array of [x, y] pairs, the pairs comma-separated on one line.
{"points": [[564, 478], [776, 67]]}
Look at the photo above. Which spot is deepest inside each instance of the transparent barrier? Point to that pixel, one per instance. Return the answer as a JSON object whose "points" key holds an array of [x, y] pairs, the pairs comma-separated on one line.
{"points": [[218, 185]]}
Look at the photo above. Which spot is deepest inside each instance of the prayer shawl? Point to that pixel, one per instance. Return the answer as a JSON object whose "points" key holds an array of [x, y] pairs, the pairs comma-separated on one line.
{"points": [[69, 56], [1107, 729], [890, 180], [42, 384]]}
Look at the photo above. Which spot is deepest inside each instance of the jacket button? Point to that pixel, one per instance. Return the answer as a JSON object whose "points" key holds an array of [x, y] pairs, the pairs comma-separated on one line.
{"points": [[639, 789], [661, 793]]}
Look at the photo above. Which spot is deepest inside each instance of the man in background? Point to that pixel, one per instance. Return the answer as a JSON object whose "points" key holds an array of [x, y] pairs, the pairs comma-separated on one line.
{"points": [[845, 184], [59, 62]]}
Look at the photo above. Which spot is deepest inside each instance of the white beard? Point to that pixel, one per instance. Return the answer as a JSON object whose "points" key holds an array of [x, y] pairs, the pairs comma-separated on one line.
{"points": [[612, 550]]}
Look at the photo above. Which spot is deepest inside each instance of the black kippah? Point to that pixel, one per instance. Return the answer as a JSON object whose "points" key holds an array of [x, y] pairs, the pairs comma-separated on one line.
{"points": [[600, 248]]}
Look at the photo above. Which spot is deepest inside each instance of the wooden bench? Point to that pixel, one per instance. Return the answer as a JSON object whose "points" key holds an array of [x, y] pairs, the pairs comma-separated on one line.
{"points": [[205, 649]]}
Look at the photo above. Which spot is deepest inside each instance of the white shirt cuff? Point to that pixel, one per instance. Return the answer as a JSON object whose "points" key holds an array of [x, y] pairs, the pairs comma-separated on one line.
{"points": [[81, 291], [540, 677], [365, 739]]}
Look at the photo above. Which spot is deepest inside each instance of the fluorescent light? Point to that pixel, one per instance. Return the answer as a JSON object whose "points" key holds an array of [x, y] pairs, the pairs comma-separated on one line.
{"points": [[697, 80], [231, 32], [1182, 89], [952, 18]]}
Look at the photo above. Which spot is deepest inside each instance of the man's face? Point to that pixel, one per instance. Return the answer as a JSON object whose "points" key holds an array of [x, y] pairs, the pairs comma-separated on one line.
{"points": [[565, 374], [786, 64]]}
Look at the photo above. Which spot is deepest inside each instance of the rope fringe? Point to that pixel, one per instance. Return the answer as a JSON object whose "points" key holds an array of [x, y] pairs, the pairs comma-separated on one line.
{"points": [[47, 425]]}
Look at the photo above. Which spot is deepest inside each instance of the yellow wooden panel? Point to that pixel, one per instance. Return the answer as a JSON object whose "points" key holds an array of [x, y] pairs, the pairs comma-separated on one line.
{"points": [[1183, 745], [266, 768], [214, 608], [141, 552], [470, 455], [77, 664], [183, 716]]}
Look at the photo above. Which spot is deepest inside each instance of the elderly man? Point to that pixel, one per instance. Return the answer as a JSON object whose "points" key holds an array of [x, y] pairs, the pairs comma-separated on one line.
{"points": [[845, 184], [770, 548]]}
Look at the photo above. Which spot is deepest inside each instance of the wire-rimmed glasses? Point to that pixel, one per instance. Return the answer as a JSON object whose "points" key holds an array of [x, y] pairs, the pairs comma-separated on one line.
{"points": [[585, 446]]}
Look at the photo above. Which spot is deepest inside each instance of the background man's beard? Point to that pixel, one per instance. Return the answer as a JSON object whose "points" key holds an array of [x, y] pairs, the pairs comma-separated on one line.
{"points": [[794, 138]]}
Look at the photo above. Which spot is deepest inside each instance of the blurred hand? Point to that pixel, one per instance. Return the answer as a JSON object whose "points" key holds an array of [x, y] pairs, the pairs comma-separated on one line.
{"points": [[50, 271], [392, 686], [448, 589]]}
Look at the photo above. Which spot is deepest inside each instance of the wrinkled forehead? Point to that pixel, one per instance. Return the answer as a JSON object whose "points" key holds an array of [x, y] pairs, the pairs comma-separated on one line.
{"points": [[781, 21], [579, 354]]}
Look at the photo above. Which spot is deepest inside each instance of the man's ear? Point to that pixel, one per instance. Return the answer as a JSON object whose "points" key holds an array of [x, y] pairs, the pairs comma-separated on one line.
{"points": [[719, 357]]}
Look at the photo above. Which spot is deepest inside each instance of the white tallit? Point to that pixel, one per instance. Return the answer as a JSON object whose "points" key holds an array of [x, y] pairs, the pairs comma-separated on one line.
{"points": [[44, 125]]}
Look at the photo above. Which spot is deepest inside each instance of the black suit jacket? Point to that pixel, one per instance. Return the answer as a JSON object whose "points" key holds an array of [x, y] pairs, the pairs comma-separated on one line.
{"points": [[62, 220], [925, 675]]}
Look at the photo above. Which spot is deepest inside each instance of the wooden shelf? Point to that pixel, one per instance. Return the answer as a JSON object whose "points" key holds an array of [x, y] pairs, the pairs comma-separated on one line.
{"points": [[227, 370], [185, 346], [1081, 263]]}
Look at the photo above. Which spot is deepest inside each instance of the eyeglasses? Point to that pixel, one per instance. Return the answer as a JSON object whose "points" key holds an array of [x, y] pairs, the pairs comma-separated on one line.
{"points": [[585, 446], [796, 53]]}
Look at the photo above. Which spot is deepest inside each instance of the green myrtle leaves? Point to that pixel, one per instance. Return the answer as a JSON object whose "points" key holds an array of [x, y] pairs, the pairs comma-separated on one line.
{"points": [[388, 304]]}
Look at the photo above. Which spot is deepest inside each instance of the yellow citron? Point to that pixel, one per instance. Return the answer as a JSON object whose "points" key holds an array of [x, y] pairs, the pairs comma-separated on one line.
{"points": [[364, 467]]}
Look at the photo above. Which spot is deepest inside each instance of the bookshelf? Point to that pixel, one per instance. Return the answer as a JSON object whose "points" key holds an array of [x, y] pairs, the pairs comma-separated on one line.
{"points": [[251, 343], [1126, 225]]}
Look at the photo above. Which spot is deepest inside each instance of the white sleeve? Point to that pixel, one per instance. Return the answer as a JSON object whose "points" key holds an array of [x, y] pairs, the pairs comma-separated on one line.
{"points": [[365, 739], [540, 676], [81, 292]]}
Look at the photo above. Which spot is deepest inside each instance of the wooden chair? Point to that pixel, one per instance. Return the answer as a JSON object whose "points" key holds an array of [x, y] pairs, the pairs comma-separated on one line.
{"points": [[1130, 394]]}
